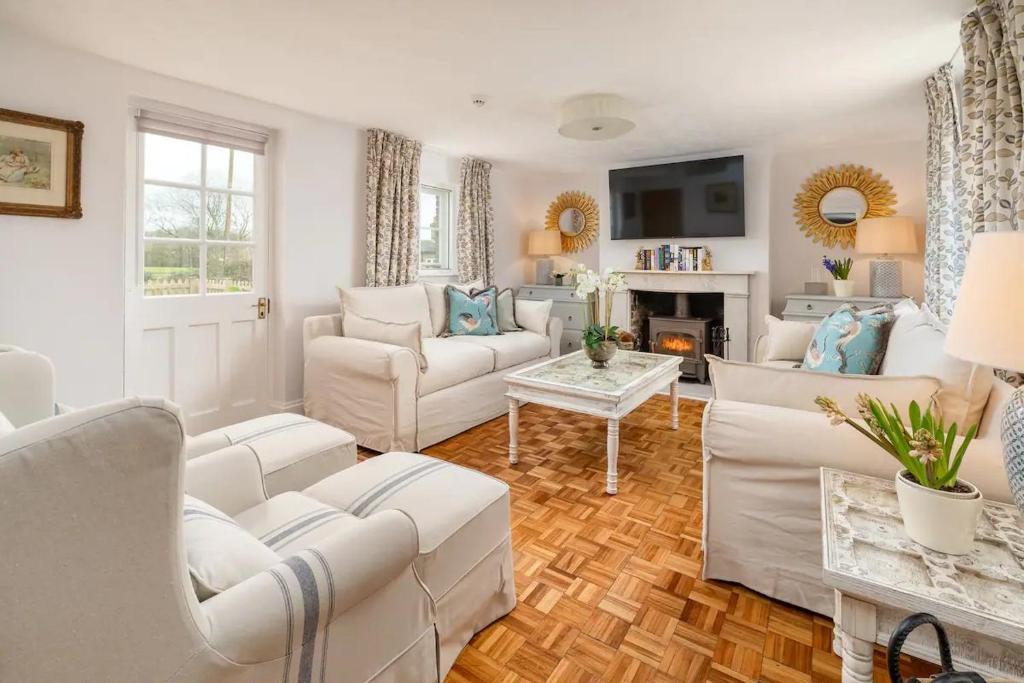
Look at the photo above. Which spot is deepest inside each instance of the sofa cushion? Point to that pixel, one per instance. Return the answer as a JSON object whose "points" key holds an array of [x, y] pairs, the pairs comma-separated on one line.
{"points": [[850, 341], [450, 361], [404, 304], [219, 552], [512, 348], [292, 522], [916, 348], [787, 339], [533, 315], [456, 532], [439, 307], [408, 335], [473, 314]]}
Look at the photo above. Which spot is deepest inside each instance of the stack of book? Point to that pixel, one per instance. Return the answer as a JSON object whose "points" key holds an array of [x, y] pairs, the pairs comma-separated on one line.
{"points": [[667, 257]]}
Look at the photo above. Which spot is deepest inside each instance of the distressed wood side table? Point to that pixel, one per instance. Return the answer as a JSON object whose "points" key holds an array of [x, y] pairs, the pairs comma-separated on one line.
{"points": [[880, 576]]}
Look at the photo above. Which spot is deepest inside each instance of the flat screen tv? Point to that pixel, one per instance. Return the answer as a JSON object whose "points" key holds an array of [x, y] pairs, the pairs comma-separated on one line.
{"points": [[685, 199]]}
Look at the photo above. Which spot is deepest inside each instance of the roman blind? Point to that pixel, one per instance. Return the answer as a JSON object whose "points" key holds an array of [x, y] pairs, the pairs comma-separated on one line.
{"points": [[219, 132]]}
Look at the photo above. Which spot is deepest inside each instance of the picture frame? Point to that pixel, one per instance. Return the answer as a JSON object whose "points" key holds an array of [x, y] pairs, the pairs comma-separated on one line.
{"points": [[40, 165]]}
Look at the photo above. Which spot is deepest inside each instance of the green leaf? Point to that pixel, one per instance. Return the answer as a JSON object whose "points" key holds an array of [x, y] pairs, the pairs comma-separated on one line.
{"points": [[951, 475], [915, 416]]}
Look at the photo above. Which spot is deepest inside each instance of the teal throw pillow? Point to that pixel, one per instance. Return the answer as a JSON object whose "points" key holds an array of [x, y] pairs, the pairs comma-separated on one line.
{"points": [[475, 314], [850, 341]]}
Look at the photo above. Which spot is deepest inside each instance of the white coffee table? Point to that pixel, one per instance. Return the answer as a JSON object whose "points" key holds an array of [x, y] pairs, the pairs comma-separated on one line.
{"points": [[570, 382], [880, 576]]}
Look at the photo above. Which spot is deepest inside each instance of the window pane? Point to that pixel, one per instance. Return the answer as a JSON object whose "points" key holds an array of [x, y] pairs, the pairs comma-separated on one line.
{"points": [[229, 168], [170, 212], [178, 161], [228, 269], [229, 217], [430, 221], [171, 269]]}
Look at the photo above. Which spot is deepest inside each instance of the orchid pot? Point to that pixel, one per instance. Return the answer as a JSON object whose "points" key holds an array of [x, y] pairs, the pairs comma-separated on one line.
{"points": [[601, 352], [600, 337], [939, 519]]}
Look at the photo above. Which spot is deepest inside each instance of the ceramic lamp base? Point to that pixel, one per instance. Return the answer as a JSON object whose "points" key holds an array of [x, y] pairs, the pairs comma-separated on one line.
{"points": [[886, 278], [1013, 445], [545, 266]]}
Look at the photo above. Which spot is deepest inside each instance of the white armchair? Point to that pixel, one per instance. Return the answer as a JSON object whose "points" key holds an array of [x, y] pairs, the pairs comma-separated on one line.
{"points": [[95, 587], [27, 386]]}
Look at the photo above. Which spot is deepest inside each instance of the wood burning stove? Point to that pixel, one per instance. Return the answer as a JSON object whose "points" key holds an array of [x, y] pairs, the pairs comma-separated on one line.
{"points": [[688, 338]]}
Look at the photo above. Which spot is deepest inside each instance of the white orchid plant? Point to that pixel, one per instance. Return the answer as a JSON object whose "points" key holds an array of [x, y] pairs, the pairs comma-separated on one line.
{"points": [[589, 287]]}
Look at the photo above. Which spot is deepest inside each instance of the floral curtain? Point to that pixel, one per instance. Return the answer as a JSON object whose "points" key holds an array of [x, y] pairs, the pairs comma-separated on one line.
{"points": [[475, 231], [945, 237], [392, 208], [992, 148]]}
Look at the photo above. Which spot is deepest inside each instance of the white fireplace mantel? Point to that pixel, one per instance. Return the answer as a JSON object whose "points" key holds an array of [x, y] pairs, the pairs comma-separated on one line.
{"points": [[734, 285]]}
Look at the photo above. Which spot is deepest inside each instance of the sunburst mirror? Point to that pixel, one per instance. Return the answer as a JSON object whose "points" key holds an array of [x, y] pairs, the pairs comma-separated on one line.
{"points": [[831, 201], [574, 215]]}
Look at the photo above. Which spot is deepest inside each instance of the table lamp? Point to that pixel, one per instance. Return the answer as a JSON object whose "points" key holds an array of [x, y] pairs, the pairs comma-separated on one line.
{"points": [[988, 328], [886, 236], [545, 243]]}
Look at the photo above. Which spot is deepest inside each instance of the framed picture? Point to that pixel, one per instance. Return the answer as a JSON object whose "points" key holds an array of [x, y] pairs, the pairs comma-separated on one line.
{"points": [[40, 165]]}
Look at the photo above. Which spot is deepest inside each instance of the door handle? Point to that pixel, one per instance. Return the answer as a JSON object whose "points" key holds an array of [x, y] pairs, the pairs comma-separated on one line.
{"points": [[262, 307]]}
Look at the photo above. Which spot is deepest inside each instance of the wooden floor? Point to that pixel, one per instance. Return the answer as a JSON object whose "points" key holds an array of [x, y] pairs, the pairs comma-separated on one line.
{"points": [[610, 587]]}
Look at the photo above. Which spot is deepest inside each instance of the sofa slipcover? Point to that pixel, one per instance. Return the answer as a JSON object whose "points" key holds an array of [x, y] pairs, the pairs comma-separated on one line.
{"points": [[511, 348], [448, 365]]}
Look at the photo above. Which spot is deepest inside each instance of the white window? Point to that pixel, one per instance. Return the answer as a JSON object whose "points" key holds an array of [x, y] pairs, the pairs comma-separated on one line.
{"points": [[197, 212], [436, 252]]}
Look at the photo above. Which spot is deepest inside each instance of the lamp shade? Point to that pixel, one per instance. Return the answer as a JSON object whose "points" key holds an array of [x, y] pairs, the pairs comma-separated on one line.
{"points": [[545, 243], [886, 235], [595, 117], [988, 320]]}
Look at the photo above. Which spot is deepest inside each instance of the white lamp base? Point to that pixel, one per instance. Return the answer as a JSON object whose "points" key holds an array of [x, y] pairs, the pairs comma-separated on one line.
{"points": [[886, 278], [545, 266]]}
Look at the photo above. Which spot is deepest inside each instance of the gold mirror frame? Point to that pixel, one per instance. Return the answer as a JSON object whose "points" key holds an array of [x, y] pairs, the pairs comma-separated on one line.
{"points": [[876, 190], [587, 206]]}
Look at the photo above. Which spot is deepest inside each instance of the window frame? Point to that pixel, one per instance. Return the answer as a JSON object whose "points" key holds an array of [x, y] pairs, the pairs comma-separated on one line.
{"points": [[445, 230], [203, 241]]}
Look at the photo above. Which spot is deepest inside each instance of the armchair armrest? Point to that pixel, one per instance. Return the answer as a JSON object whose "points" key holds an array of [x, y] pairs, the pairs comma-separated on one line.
{"points": [[320, 326], [27, 386], [555, 326], [248, 623], [230, 479], [797, 388]]}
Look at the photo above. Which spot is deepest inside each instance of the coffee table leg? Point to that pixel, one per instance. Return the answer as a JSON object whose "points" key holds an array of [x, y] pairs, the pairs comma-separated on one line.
{"points": [[513, 431], [673, 392], [857, 623], [613, 457]]}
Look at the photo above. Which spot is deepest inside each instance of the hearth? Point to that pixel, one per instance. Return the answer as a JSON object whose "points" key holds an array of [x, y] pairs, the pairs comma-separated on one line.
{"points": [[688, 338]]}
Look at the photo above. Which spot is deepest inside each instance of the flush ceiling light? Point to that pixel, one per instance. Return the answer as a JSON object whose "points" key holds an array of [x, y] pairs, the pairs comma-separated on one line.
{"points": [[595, 117]]}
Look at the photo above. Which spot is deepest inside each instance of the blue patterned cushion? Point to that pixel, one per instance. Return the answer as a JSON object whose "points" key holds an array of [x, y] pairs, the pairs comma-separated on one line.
{"points": [[851, 341], [475, 315]]}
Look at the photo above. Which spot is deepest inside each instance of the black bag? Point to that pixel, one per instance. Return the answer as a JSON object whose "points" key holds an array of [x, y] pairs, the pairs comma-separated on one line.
{"points": [[899, 637]]}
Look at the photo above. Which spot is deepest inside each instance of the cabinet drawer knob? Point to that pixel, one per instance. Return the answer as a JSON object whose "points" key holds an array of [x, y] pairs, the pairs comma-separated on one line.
{"points": [[810, 307], [570, 317]]}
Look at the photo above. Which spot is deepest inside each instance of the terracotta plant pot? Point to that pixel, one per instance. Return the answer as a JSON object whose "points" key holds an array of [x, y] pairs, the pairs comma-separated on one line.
{"points": [[843, 288], [941, 520], [601, 353]]}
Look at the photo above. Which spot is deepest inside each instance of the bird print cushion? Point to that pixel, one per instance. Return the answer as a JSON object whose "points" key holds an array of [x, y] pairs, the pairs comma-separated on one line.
{"points": [[851, 341], [475, 314]]}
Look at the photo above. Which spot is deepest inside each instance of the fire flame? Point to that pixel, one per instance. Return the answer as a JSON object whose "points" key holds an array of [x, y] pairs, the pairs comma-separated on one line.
{"points": [[676, 344]]}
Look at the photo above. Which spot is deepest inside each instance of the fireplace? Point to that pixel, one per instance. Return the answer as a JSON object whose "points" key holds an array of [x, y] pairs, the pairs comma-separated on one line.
{"points": [[688, 338]]}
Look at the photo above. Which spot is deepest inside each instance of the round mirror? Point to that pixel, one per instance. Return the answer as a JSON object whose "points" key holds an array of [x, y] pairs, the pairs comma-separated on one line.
{"points": [[842, 206], [571, 222]]}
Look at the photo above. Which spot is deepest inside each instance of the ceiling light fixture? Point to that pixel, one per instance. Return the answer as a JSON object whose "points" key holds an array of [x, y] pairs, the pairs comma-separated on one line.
{"points": [[595, 117]]}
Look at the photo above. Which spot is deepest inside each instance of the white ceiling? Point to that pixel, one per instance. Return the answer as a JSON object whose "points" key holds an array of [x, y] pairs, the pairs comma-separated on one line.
{"points": [[704, 75]]}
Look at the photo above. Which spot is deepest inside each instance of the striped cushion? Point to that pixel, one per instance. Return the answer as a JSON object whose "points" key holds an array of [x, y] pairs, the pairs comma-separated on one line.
{"points": [[219, 552], [290, 522]]}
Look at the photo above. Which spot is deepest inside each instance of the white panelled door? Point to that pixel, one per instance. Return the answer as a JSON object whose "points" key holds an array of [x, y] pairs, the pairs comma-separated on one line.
{"points": [[196, 328]]}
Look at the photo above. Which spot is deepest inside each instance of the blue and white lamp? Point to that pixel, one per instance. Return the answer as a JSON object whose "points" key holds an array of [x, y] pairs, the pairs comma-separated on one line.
{"points": [[988, 328]]}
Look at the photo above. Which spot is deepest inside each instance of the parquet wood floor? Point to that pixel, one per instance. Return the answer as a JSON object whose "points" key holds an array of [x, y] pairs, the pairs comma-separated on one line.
{"points": [[610, 587]]}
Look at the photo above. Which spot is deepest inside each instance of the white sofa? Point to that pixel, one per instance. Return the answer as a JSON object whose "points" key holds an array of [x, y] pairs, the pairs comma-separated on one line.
{"points": [[377, 391], [372, 574], [765, 441]]}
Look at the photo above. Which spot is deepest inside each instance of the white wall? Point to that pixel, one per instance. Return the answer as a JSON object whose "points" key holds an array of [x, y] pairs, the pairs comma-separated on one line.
{"points": [[795, 257]]}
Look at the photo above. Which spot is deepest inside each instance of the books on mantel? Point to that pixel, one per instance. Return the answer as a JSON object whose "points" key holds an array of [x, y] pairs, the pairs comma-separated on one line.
{"points": [[669, 257]]}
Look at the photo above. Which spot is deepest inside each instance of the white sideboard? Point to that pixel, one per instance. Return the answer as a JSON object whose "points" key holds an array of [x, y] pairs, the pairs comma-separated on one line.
{"points": [[814, 307], [566, 306]]}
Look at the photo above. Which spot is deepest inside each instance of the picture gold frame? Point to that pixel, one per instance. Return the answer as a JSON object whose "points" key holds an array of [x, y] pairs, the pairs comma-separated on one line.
{"points": [[68, 166], [877, 192], [579, 228]]}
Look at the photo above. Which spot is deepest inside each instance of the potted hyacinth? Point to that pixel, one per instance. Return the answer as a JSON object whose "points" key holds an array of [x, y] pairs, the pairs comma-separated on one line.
{"points": [[940, 511], [600, 339], [839, 269]]}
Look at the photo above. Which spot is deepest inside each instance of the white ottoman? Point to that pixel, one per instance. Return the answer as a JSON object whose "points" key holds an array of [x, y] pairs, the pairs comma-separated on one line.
{"points": [[465, 556], [294, 451]]}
